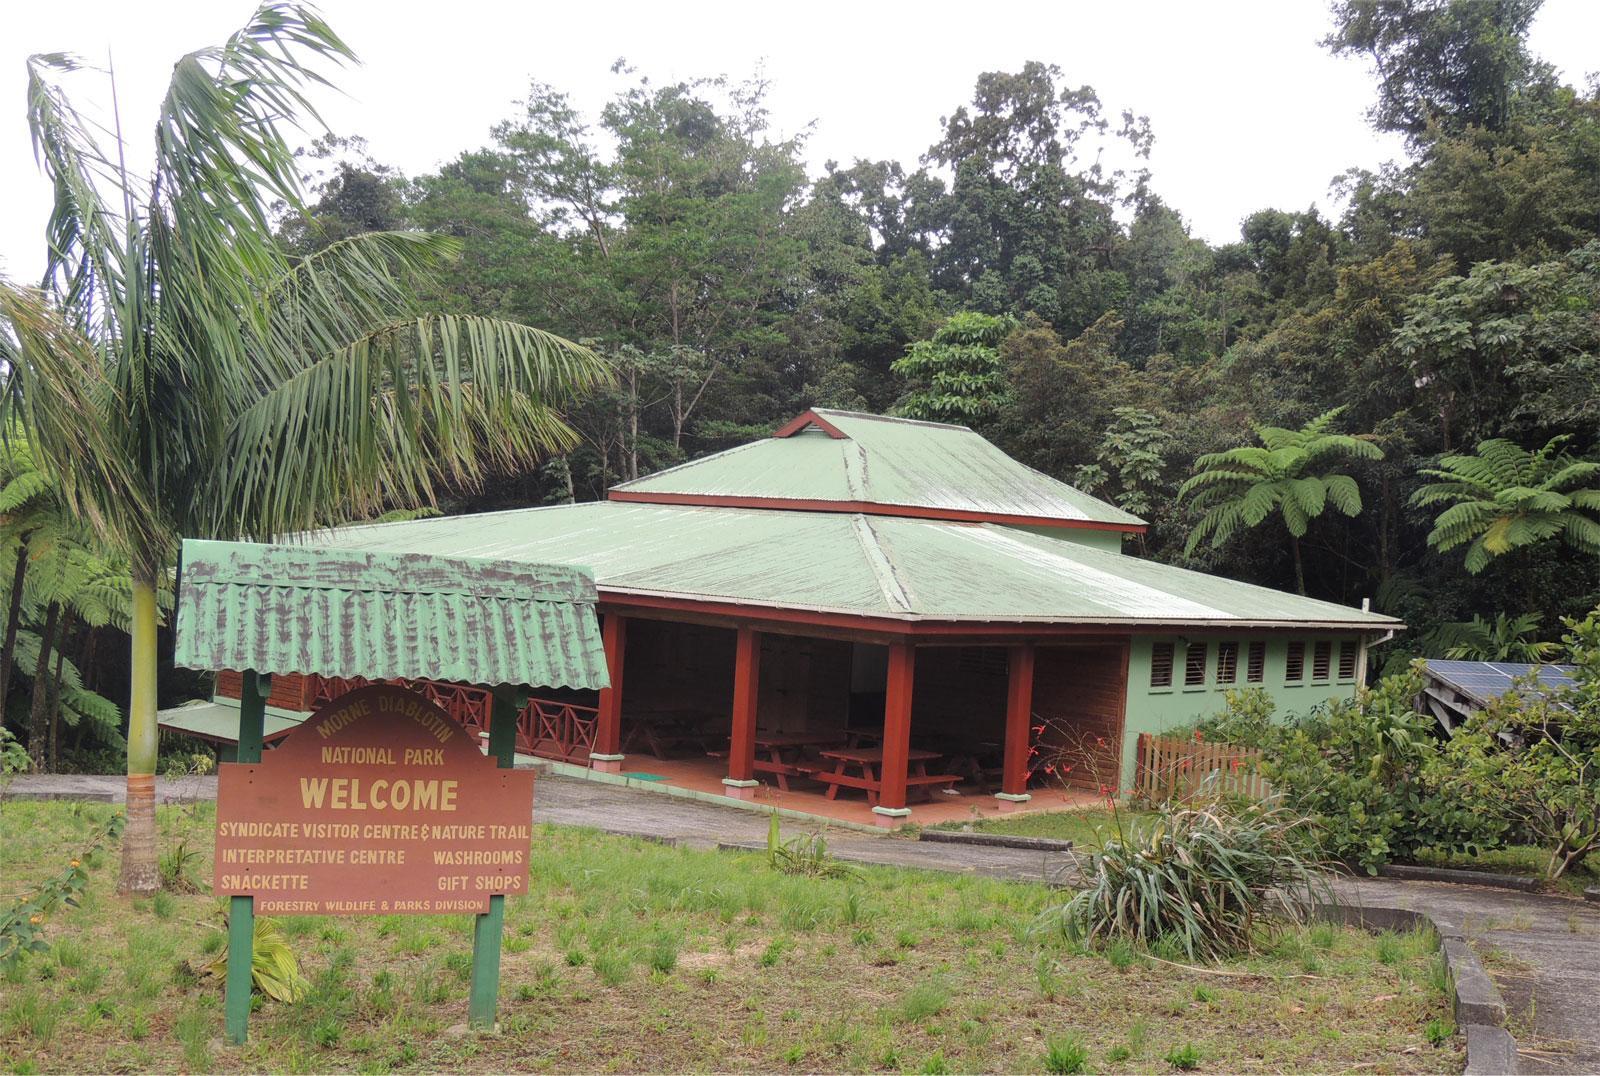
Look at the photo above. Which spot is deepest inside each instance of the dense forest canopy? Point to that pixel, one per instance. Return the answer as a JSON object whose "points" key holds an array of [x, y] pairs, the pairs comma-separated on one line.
{"points": [[1456, 299]]}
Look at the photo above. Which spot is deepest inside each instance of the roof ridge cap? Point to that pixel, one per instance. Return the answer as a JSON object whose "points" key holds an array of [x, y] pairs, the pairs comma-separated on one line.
{"points": [[876, 549], [871, 416]]}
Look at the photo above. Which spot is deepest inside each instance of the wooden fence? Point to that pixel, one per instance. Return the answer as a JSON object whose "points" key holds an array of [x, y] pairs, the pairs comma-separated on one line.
{"points": [[1172, 769]]}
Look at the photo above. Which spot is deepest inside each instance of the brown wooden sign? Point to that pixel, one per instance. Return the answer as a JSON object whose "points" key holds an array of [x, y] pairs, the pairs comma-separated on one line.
{"points": [[379, 804]]}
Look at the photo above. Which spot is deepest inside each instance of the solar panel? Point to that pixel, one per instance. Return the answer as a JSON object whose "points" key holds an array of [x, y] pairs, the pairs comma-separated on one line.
{"points": [[1485, 680]]}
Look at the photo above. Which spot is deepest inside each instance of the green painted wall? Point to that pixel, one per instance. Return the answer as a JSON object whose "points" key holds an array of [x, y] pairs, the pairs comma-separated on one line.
{"points": [[1157, 710]]}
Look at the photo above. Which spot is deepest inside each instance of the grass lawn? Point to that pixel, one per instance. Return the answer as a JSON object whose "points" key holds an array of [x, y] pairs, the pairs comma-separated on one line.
{"points": [[627, 955], [1085, 829]]}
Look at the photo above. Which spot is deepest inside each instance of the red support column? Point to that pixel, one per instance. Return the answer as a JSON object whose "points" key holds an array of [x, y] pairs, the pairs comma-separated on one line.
{"points": [[891, 809], [1019, 721], [607, 753], [741, 780]]}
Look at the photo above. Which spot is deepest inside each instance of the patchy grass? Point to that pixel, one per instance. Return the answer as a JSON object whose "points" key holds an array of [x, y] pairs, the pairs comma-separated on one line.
{"points": [[1086, 829], [1518, 859], [628, 955]]}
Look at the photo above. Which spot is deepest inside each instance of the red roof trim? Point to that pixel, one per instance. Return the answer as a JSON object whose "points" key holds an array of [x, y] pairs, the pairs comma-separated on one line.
{"points": [[871, 508], [809, 418], [756, 615], [622, 601]]}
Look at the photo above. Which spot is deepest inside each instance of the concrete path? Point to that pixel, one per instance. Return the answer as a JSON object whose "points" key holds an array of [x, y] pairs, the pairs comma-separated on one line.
{"points": [[1543, 952], [107, 788]]}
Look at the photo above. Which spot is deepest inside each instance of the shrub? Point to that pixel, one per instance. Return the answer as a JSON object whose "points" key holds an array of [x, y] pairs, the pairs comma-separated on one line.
{"points": [[1065, 1056], [1530, 762], [274, 968], [806, 854], [1212, 879], [1183, 1058]]}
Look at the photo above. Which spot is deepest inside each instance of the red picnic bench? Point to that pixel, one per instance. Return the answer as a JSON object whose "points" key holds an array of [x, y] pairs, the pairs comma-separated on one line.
{"points": [[868, 761]]}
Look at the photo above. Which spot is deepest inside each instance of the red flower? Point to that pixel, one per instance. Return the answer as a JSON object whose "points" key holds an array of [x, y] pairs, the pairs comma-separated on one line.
{"points": [[1199, 737], [1038, 728], [1049, 769], [1099, 741], [1104, 790]]}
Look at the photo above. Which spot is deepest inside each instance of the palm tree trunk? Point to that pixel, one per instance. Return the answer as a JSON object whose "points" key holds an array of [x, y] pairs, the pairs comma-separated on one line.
{"points": [[1299, 567], [39, 713], [8, 649], [139, 874]]}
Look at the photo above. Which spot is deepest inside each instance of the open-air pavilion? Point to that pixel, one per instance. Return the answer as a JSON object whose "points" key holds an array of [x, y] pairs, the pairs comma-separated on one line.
{"points": [[876, 618]]}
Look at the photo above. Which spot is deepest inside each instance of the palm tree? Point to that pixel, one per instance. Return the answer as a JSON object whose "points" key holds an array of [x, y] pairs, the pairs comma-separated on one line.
{"points": [[181, 375], [1505, 497], [1243, 486]]}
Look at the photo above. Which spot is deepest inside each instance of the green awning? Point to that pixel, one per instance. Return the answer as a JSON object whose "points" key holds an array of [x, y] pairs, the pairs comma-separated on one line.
{"points": [[386, 615]]}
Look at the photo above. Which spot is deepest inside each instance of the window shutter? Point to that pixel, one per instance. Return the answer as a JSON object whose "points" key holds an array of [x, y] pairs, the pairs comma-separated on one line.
{"points": [[1194, 665], [1296, 666], [1321, 660], [1227, 662], [1347, 659], [1161, 665], [1255, 669]]}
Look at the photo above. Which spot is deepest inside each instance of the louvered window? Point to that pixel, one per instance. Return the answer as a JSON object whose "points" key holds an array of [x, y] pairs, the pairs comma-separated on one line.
{"points": [[1194, 665], [1227, 662], [1255, 668], [1321, 660], [1295, 668], [1161, 665], [1347, 659]]}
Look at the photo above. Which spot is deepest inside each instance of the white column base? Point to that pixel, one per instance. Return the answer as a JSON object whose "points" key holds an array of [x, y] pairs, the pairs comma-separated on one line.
{"points": [[1011, 801], [743, 790], [890, 816], [606, 763]]}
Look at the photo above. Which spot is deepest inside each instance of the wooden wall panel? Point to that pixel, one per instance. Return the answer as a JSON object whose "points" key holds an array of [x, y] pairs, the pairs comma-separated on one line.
{"points": [[290, 691], [1080, 695]]}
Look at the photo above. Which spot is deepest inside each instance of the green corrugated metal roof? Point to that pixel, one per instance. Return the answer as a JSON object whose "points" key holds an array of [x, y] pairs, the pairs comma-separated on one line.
{"points": [[881, 566], [220, 721], [386, 614], [884, 461]]}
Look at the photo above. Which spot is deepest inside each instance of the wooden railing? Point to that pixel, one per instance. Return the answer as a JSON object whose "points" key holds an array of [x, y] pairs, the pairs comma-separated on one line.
{"points": [[545, 728], [1174, 770]]}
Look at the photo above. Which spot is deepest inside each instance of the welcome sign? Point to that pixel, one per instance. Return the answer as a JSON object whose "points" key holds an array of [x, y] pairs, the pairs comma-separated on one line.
{"points": [[379, 804]]}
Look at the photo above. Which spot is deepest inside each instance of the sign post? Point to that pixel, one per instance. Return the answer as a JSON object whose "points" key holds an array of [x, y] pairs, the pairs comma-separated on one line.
{"points": [[379, 804], [488, 928], [242, 908]]}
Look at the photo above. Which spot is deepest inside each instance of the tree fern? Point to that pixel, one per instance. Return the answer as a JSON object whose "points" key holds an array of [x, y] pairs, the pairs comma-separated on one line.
{"points": [[1240, 488], [1504, 497]]}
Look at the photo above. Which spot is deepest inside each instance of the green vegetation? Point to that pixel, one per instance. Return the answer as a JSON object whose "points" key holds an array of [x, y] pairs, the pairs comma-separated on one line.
{"points": [[766, 977], [1211, 882], [1381, 785]]}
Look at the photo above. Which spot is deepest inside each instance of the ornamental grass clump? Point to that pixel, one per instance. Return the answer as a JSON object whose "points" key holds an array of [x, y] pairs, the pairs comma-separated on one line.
{"points": [[1211, 881]]}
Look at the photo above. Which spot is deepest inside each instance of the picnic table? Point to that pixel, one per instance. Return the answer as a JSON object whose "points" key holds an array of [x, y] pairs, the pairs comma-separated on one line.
{"points": [[782, 754], [665, 730], [868, 764]]}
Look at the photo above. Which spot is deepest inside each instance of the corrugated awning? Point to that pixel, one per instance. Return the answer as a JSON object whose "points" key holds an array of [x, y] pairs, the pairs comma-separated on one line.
{"points": [[384, 615]]}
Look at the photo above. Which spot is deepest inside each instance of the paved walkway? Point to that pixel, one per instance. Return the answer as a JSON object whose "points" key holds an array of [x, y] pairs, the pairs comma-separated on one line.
{"points": [[1543, 952]]}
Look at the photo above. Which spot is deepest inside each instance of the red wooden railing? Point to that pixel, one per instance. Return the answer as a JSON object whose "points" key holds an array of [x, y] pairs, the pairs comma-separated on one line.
{"points": [[545, 728]]}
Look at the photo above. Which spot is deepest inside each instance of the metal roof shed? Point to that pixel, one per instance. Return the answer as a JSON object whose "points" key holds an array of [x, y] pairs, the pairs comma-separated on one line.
{"points": [[346, 613]]}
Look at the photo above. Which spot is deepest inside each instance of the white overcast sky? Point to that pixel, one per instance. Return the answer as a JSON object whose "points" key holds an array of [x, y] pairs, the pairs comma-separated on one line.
{"points": [[1248, 111]]}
